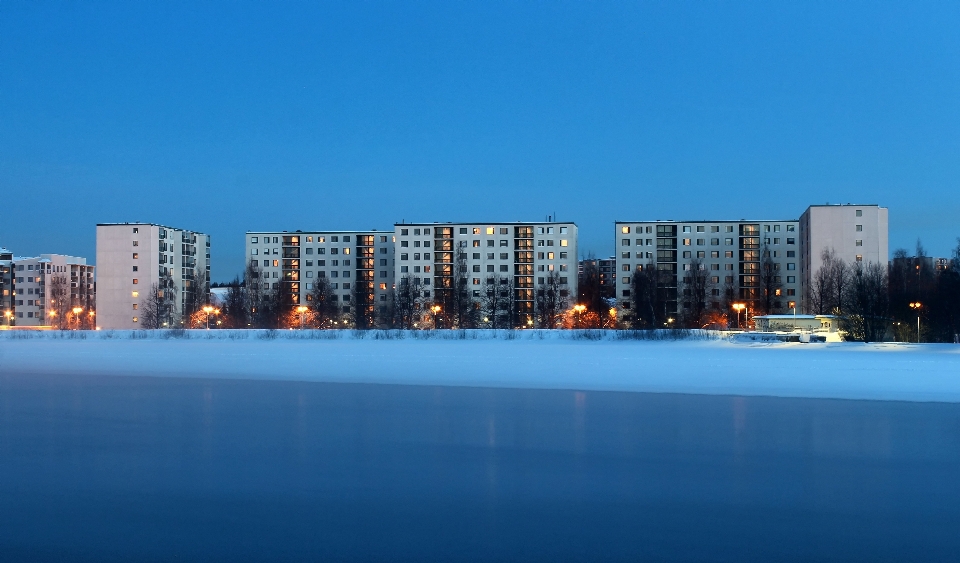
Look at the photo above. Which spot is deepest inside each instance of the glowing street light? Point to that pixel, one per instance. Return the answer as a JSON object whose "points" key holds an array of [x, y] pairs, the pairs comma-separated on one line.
{"points": [[579, 310], [208, 309], [739, 307], [436, 311], [9, 315], [302, 310], [76, 315], [916, 306]]}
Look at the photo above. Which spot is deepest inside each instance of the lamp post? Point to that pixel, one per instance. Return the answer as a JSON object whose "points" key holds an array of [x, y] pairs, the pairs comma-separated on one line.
{"points": [[579, 310], [92, 315], [436, 311], [739, 307], [8, 315], [793, 305], [208, 309], [302, 310], [76, 315], [916, 306]]}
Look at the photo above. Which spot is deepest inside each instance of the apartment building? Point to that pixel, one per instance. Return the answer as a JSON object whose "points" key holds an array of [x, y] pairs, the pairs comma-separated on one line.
{"points": [[607, 272], [734, 254], [48, 288], [133, 258], [521, 255], [357, 264], [854, 233], [6, 286]]}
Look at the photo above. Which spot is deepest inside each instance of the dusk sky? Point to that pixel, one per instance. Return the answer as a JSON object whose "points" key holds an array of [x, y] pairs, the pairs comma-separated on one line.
{"points": [[228, 117]]}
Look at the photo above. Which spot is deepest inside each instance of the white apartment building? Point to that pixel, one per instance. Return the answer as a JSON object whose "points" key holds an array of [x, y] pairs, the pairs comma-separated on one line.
{"points": [[519, 253], [854, 233], [355, 263], [731, 252], [133, 257], [33, 278]]}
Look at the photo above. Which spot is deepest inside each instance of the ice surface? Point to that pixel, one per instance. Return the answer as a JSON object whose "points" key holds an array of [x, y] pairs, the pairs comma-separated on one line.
{"points": [[526, 359]]}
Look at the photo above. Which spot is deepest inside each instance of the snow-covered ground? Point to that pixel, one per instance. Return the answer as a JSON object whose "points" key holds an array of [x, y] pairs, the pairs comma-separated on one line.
{"points": [[527, 359]]}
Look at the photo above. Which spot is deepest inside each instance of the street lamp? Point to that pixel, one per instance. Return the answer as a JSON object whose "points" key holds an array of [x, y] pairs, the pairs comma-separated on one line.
{"points": [[302, 310], [739, 307], [793, 305], [916, 306], [208, 309], [436, 310], [9, 315], [579, 309], [76, 315]]}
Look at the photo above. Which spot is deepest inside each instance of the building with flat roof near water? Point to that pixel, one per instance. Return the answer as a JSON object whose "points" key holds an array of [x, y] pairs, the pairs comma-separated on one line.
{"points": [[6, 287], [356, 266], [516, 274], [853, 233], [53, 290], [750, 262], [150, 275]]}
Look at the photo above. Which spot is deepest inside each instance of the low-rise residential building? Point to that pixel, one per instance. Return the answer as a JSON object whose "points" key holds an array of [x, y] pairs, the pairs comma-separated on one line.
{"points": [[47, 290], [357, 267], [6, 286], [149, 275], [751, 262], [533, 266]]}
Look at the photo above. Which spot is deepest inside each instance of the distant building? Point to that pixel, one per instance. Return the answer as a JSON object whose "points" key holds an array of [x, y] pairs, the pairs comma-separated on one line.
{"points": [[34, 278], [607, 271], [730, 251], [357, 264], [133, 258], [854, 233], [518, 254], [6, 286]]}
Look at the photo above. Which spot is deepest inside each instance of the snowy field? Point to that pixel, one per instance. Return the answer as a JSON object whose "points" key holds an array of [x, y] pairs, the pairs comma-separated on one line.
{"points": [[527, 359]]}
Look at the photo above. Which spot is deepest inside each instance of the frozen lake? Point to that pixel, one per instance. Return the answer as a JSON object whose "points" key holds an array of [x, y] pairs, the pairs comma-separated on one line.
{"points": [[106, 468]]}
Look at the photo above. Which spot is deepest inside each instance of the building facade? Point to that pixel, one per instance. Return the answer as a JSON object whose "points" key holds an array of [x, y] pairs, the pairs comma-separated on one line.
{"points": [[134, 260], [54, 290], [853, 233], [751, 262], [6, 287], [358, 266], [518, 259]]}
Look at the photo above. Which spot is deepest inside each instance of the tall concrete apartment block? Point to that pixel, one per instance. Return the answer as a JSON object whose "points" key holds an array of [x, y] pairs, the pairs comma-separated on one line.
{"points": [[522, 253], [356, 263], [132, 257], [854, 233], [731, 251], [32, 279]]}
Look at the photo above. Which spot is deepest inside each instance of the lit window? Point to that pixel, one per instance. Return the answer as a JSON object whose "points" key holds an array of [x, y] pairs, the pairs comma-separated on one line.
{"points": [[135, 256], [625, 230], [135, 281], [476, 230], [135, 319], [136, 294], [563, 242], [859, 258], [489, 230]]}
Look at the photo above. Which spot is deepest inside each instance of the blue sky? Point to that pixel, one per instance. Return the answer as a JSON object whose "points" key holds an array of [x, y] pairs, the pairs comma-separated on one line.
{"points": [[228, 117]]}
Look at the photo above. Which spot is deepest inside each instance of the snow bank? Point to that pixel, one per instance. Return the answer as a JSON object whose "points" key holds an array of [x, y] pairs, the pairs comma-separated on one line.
{"points": [[608, 361]]}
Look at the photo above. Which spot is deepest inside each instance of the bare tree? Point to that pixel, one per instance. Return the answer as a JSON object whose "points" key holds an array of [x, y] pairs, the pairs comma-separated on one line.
{"points": [[157, 308], [405, 302], [58, 297], [867, 313], [840, 279], [321, 299], [696, 288], [549, 302], [256, 289], [649, 294], [462, 304], [820, 295], [197, 293], [770, 284], [496, 302]]}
